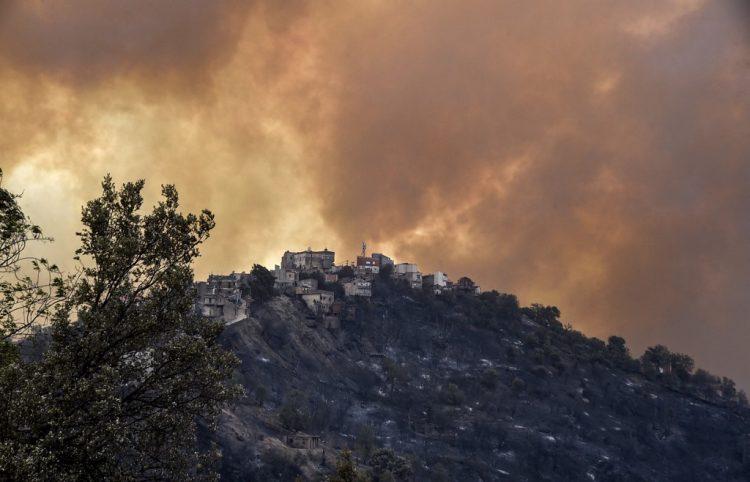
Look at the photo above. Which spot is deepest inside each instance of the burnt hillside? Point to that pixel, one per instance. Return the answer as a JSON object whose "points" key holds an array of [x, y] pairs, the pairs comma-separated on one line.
{"points": [[464, 387]]}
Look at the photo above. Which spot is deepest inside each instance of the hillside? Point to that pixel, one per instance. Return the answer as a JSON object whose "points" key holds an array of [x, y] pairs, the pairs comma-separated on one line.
{"points": [[467, 388]]}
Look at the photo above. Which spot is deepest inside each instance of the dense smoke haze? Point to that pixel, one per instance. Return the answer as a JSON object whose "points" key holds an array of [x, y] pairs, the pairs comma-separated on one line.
{"points": [[594, 155]]}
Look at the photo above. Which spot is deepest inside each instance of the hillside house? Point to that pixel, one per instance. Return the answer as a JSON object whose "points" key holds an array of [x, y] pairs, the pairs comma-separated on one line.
{"points": [[221, 308], [467, 285], [409, 272], [306, 285], [301, 440], [358, 287], [285, 277], [437, 282], [224, 297], [318, 301]]}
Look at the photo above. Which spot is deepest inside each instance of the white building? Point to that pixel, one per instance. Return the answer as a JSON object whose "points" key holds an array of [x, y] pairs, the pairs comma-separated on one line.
{"points": [[440, 279], [409, 272], [437, 281], [404, 268], [358, 287]]}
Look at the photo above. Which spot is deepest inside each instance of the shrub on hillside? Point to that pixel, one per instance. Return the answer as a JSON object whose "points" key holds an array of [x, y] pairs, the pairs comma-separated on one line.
{"points": [[275, 332], [294, 414], [489, 379], [387, 466], [452, 395], [518, 385]]}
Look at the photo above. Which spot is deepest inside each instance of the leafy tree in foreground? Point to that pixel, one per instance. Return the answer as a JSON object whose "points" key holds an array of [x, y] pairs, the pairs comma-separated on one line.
{"points": [[130, 369], [30, 287]]}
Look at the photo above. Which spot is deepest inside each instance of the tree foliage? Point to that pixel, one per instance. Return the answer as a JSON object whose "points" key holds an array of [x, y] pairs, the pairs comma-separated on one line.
{"points": [[261, 283], [294, 414], [346, 469], [681, 365], [387, 466], [656, 361], [544, 315], [366, 440], [30, 287], [130, 368]]}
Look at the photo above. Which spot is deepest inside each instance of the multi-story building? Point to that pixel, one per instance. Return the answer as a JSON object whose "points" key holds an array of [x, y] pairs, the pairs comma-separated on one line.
{"points": [[224, 297], [358, 287], [285, 277], [438, 281], [308, 260], [409, 272], [382, 259], [368, 264]]}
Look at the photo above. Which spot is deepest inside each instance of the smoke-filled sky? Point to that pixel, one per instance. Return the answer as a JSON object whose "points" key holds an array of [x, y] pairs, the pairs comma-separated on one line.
{"points": [[590, 154]]}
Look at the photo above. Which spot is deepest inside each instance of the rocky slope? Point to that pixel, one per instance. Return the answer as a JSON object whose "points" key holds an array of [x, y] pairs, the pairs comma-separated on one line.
{"points": [[463, 388]]}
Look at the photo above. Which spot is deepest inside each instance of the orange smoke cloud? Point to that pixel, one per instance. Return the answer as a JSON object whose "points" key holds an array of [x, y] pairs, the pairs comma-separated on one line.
{"points": [[589, 154]]}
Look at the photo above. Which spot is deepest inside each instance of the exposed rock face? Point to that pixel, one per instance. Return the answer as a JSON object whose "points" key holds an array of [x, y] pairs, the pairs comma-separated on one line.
{"points": [[463, 388]]}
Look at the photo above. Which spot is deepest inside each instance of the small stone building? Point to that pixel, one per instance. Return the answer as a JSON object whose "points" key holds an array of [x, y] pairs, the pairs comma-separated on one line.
{"points": [[223, 297], [306, 285], [318, 301], [301, 440]]}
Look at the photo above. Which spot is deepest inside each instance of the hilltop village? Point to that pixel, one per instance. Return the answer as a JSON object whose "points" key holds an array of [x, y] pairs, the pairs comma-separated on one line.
{"points": [[315, 278], [454, 386]]}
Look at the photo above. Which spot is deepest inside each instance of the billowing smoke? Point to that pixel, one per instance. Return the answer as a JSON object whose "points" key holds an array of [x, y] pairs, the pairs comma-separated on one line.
{"points": [[589, 154]]}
